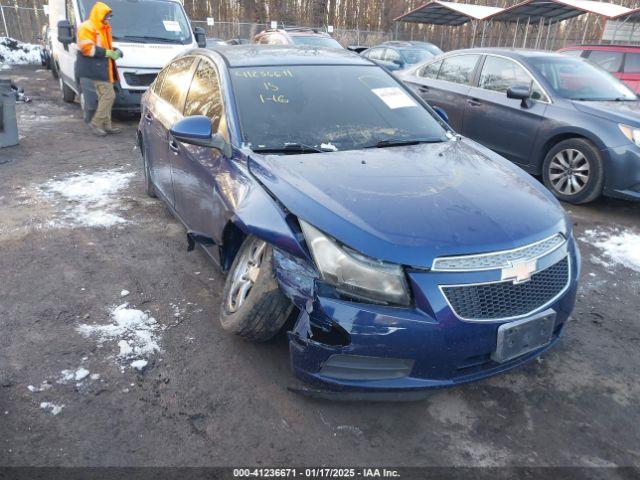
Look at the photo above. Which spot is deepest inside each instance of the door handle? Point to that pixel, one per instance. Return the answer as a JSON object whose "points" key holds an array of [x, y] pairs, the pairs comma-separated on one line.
{"points": [[423, 89], [474, 102], [173, 146]]}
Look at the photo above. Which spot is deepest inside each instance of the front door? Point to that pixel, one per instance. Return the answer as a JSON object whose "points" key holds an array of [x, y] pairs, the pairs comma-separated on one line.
{"points": [[503, 124]]}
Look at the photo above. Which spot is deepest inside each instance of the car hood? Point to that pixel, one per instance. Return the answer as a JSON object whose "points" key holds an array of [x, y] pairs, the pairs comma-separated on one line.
{"points": [[622, 112], [411, 204]]}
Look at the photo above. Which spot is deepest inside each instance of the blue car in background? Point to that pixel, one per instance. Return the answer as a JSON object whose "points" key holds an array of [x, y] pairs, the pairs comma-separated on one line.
{"points": [[559, 117], [397, 55], [397, 255]]}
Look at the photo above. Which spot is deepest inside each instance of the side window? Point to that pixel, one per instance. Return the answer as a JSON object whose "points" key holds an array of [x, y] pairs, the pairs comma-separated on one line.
{"points": [[157, 83], [458, 68], [375, 54], [498, 74], [204, 96], [632, 63], [610, 61], [175, 78], [431, 70], [390, 55]]}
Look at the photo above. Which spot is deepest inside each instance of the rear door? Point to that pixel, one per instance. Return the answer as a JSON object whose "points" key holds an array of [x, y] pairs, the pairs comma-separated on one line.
{"points": [[195, 169], [500, 123], [163, 112], [445, 83]]}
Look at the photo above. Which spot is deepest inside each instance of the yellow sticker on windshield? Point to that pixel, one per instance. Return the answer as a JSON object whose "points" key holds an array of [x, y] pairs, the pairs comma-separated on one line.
{"points": [[394, 97]]}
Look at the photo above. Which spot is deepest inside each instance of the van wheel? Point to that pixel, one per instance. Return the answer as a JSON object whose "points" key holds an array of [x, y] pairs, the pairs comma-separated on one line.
{"points": [[54, 68], [573, 171], [87, 113], [253, 306], [68, 95]]}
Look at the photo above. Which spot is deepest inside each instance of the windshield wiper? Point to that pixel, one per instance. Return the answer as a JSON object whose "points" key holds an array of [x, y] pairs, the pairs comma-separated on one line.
{"points": [[291, 148], [397, 142], [145, 39]]}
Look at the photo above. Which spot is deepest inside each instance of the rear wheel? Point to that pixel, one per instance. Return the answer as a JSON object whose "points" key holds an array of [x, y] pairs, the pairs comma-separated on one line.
{"points": [[54, 68], [149, 188], [253, 306], [68, 95], [573, 171]]}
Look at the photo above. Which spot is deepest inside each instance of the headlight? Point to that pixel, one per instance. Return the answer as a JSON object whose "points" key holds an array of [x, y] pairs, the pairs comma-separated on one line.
{"points": [[632, 133], [354, 273]]}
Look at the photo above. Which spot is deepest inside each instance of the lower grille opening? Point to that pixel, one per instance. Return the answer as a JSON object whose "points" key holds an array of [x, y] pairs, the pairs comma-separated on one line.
{"points": [[139, 79], [357, 367], [494, 301]]}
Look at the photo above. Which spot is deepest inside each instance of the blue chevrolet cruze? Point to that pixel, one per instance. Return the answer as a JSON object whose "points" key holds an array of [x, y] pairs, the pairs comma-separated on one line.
{"points": [[398, 255]]}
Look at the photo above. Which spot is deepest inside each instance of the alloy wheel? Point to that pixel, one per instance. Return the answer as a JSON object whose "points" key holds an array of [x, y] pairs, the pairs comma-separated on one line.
{"points": [[245, 275], [569, 171]]}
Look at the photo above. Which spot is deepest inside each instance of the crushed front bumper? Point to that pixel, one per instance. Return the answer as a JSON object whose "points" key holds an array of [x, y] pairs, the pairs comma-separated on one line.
{"points": [[340, 346]]}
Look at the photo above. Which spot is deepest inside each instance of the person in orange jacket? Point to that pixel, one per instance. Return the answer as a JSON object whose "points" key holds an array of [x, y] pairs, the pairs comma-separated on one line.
{"points": [[97, 61]]}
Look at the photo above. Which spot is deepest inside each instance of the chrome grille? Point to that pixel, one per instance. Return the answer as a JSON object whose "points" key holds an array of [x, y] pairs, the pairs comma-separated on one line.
{"points": [[495, 260], [502, 300]]}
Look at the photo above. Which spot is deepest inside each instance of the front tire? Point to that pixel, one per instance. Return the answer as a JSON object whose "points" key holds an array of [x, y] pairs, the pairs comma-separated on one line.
{"points": [[68, 95], [573, 170], [253, 307]]}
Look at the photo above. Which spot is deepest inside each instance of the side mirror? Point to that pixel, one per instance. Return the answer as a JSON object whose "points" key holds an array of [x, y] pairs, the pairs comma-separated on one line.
{"points": [[399, 63], [442, 114], [196, 130], [201, 37], [520, 92], [66, 34]]}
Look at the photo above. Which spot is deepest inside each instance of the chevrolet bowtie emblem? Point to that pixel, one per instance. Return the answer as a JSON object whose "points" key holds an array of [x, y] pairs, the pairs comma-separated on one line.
{"points": [[520, 272]]}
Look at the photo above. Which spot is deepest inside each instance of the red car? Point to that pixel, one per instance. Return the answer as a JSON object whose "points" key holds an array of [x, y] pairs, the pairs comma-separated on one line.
{"points": [[622, 61]]}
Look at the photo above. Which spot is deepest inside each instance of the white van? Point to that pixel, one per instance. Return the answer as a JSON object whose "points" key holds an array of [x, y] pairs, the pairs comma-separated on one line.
{"points": [[148, 32]]}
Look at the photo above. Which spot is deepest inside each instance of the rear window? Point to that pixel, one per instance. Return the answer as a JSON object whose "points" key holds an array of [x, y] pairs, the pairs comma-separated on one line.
{"points": [[632, 63], [458, 69], [316, 41], [610, 61]]}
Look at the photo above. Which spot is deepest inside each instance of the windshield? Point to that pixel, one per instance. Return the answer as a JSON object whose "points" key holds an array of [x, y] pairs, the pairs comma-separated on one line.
{"points": [[145, 21], [316, 41], [412, 56], [327, 107], [577, 79]]}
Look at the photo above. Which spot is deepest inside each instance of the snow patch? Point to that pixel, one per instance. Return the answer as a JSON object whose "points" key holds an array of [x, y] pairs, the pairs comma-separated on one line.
{"points": [[619, 246], [139, 364], [43, 386], [92, 199], [13, 52], [124, 293], [136, 333], [78, 375], [51, 407]]}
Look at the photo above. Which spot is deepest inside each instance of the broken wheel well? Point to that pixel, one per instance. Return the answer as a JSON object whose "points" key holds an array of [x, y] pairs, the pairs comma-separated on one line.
{"points": [[232, 238]]}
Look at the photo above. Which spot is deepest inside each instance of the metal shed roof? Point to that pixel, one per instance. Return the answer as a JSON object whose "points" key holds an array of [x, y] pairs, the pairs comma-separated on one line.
{"points": [[630, 16], [556, 10], [438, 12]]}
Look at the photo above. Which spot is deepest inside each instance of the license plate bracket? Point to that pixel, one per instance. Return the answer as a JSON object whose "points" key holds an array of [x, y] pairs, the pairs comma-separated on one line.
{"points": [[523, 336]]}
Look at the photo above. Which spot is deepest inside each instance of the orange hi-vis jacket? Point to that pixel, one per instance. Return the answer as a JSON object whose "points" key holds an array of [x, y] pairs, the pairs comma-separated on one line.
{"points": [[94, 39]]}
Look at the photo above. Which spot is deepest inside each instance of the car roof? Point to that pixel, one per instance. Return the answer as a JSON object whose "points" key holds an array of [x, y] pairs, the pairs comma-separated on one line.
{"points": [[296, 31], [266, 55], [516, 53]]}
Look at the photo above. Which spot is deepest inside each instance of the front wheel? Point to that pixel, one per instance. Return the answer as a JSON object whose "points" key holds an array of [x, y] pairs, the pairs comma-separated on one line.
{"points": [[573, 171], [253, 306], [68, 95]]}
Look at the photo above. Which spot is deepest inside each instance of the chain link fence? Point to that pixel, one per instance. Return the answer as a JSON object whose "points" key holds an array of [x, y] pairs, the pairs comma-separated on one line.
{"points": [[22, 23]]}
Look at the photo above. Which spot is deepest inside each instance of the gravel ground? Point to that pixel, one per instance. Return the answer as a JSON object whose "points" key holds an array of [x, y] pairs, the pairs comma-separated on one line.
{"points": [[69, 395]]}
